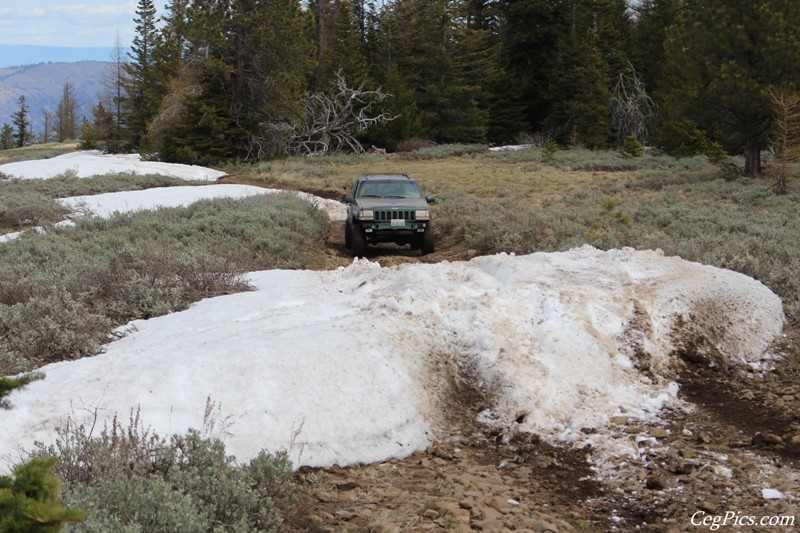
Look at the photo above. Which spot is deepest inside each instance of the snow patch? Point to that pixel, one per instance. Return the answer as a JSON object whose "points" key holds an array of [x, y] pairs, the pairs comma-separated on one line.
{"points": [[352, 365], [89, 163]]}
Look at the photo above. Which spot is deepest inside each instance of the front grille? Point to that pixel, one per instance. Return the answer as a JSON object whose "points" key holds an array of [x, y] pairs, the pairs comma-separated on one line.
{"points": [[386, 216]]}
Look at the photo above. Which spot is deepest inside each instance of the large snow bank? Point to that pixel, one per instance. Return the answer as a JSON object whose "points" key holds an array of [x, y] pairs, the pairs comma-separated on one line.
{"points": [[89, 163], [357, 364]]}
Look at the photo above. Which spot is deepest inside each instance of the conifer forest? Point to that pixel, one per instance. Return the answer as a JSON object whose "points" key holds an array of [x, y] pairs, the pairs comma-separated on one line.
{"points": [[226, 80]]}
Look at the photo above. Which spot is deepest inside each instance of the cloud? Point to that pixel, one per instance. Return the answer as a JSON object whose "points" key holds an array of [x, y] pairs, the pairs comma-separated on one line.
{"points": [[77, 23]]}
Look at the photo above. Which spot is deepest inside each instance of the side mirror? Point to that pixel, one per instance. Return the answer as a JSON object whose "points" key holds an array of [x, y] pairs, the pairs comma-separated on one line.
{"points": [[348, 198], [430, 199]]}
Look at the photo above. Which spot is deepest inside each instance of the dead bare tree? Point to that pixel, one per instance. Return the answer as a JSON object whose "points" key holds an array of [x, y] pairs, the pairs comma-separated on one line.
{"points": [[632, 109], [331, 121], [786, 134]]}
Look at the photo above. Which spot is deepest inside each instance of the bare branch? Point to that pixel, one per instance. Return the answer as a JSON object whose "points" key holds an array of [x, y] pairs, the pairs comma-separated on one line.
{"points": [[332, 120]]}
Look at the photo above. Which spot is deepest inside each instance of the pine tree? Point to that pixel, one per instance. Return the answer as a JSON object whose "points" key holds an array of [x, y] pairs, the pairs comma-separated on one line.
{"points": [[30, 501], [143, 88], [67, 114], [20, 120], [248, 63], [7, 137], [648, 53], [721, 55], [109, 115], [581, 113], [531, 31], [437, 64]]}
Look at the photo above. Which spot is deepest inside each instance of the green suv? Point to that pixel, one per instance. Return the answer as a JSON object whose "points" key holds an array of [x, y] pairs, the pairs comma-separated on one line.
{"points": [[387, 208]]}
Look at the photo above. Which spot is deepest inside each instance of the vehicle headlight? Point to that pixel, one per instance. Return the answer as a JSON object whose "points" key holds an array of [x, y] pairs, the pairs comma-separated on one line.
{"points": [[423, 214], [366, 214]]}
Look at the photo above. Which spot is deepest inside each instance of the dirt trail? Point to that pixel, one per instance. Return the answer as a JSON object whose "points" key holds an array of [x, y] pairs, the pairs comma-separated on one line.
{"points": [[713, 460], [741, 436]]}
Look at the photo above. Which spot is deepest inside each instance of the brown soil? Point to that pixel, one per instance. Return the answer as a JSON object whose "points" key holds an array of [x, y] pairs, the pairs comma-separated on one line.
{"points": [[739, 435]]}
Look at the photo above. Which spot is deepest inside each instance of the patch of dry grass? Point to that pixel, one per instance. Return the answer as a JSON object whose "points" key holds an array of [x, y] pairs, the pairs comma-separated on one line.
{"points": [[477, 175], [36, 151]]}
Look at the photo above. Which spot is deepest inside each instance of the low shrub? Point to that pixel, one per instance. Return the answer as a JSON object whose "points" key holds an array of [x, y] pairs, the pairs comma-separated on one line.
{"points": [[413, 144], [737, 225], [443, 151], [63, 292], [130, 479]]}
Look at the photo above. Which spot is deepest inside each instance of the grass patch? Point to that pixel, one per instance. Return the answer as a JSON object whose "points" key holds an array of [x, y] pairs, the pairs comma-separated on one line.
{"points": [[36, 151], [65, 291], [512, 202]]}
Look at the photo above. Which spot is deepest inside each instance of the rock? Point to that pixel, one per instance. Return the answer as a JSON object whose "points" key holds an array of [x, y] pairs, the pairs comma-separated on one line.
{"points": [[655, 483], [704, 437], [499, 504], [430, 514], [441, 453], [766, 439], [350, 485], [488, 525], [620, 420], [542, 526], [680, 467], [385, 527], [659, 433], [707, 507], [345, 514]]}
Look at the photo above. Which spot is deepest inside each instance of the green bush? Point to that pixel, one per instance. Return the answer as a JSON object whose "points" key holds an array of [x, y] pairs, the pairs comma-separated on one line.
{"points": [[130, 479], [632, 147]]}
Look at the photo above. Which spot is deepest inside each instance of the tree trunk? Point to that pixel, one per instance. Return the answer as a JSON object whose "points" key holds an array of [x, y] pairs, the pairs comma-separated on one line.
{"points": [[752, 158]]}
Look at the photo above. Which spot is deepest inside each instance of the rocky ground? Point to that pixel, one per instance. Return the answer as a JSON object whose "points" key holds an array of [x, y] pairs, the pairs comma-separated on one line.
{"points": [[734, 447]]}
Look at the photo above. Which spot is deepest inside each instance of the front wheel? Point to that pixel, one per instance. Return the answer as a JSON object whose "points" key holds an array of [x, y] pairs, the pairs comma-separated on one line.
{"points": [[348, 234], [358, 242], [427, 241]]}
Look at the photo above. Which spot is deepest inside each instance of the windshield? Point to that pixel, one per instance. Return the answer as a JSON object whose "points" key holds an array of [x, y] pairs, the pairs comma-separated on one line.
{"points": [[389, 189]]}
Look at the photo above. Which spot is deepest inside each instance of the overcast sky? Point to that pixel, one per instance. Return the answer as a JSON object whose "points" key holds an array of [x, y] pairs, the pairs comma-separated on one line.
{"points": [[69, 23]]}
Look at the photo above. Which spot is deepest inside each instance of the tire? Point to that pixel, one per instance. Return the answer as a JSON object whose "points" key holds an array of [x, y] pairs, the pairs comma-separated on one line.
{"points": [[358, 242], [428, 244], [348, 235]]}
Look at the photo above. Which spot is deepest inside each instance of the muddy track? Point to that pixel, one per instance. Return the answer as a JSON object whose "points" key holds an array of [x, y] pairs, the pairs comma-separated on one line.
{"points": [[739, 435]]}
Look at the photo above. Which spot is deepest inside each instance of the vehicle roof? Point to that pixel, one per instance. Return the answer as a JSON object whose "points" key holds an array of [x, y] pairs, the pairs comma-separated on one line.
{"points": [[385, 176]]}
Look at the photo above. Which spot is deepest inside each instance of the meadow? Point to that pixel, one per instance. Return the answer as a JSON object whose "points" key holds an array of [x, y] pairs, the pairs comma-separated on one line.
{"points": [[64, 291]]}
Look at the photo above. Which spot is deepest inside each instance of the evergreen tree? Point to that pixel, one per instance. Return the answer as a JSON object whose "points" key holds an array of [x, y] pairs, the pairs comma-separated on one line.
{"points": [[143, 89], [437, 64], [30, 501], [67, 114], [648, 52], [20, 120], [721, 56], [531, 31], [109, 128], [250, 62], [7, 137], [581, 114]]}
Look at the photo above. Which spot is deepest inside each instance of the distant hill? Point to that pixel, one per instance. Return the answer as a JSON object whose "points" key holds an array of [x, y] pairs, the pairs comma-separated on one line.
{"points": [[18, 55], [43, 85]]}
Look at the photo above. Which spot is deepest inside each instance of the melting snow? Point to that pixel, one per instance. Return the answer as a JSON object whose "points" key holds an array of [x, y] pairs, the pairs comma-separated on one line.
{"points": [[89, 163], [357, 364]]}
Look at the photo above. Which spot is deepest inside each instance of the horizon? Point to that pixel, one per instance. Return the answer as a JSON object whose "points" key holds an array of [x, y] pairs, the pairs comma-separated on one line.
{"points": [[14, 56]]}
